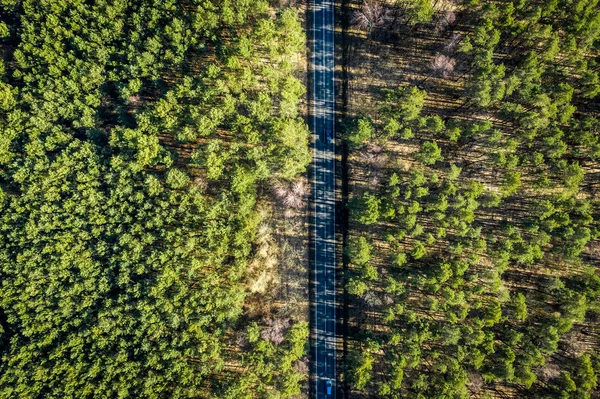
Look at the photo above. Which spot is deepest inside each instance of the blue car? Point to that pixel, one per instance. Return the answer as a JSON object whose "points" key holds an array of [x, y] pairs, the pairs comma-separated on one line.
{"points": [[328, 135], [328, 387]]}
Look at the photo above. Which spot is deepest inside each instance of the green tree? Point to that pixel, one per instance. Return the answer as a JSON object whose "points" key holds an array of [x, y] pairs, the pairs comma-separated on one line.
{"points": [[177, 178], [359, 251], [429, 153], [519, 307], [404, 103], [366, 209], [361, 366], [360, 131]]}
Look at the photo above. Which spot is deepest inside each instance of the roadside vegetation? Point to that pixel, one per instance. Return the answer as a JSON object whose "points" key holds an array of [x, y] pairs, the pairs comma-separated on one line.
{"points": [[474, 161], [137, 143]]}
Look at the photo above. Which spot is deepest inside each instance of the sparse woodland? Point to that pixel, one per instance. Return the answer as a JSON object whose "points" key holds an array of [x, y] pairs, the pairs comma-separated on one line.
{"points": [[135, 138], [473, 252]]}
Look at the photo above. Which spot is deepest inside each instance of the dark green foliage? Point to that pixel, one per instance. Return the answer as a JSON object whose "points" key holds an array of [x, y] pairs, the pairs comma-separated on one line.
{"points": [[429, 153], [366, 209], [404, 104], [359, 131], [122, 273], [177, 178]]}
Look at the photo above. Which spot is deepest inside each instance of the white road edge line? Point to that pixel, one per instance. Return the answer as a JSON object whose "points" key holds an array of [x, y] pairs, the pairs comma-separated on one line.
{"points": [[334, 198], [315, 187]]}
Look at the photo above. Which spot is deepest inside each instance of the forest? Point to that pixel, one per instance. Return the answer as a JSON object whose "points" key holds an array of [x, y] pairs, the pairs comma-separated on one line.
{"points": [[137, 138], [472, 130], [141, 142]]}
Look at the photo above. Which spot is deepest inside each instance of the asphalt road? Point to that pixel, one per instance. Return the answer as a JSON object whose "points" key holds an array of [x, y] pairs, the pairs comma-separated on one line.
{"points": [[324, 322]]}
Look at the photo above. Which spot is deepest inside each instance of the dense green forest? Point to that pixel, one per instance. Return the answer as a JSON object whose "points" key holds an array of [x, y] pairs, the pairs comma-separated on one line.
{"points": [[473, 254], [135, 138]]}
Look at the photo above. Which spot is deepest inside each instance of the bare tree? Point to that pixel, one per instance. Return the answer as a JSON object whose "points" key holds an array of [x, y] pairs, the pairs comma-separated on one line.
{"points": [[134, 100], [452, 43], [549, 372], [372, 300], [240, 339], [446, 19], [275, 332], [475, 383], [442, 65], [575, 347], [375, 158], [594, 249], [372, 14], [303, 367], [292, 195], [201, 183], [373, 155]]}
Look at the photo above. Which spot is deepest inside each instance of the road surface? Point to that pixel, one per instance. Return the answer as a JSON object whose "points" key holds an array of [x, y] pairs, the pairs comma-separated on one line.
{"points": [[324, 362]]}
